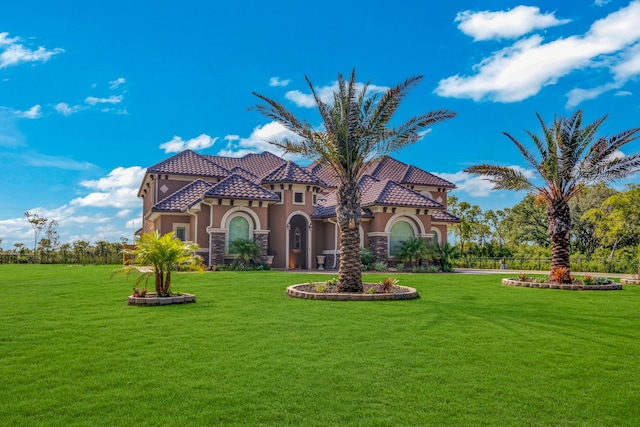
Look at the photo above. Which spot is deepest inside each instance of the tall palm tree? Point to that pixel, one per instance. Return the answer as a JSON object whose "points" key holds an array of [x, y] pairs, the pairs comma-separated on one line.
{"points": [[356, 130], [571, 156]]}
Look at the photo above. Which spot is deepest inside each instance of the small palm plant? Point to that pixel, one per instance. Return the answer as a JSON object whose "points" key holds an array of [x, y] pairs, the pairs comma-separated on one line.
{"points": [[245, 250], [413, 250], [163, 254]]}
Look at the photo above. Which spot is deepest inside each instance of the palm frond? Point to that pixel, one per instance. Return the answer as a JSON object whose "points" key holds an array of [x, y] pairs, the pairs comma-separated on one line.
{"points": [[503, 178]]}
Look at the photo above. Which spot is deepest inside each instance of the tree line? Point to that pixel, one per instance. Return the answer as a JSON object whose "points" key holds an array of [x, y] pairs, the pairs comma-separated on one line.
{"points": [[47, 248], [605, 229]]}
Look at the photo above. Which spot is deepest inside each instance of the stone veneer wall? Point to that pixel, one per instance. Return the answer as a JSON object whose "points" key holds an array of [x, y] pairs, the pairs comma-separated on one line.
{"points": [[380, 247], [263, 241], [217, 248]]}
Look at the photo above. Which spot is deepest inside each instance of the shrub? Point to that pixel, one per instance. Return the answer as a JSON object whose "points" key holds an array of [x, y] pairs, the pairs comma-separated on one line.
{"points": [[417, 269], [522, 276], [371, 290], [588, 280], [433, 269], [367, 257], [603, 281], [400, 266], [380, 266], [332, 281], [321, 287]]}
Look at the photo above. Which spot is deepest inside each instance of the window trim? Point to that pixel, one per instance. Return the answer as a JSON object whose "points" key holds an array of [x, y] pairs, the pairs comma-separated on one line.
{"points": [[294, 198], [187, 231]]}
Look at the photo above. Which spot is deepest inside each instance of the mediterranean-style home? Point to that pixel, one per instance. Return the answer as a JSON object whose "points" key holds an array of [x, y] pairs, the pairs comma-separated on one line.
{"points": [[289, 209]]}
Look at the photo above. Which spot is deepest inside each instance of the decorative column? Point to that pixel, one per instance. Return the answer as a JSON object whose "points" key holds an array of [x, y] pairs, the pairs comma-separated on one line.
{"points": [[262, 238], [379, 244], [216, 244]]}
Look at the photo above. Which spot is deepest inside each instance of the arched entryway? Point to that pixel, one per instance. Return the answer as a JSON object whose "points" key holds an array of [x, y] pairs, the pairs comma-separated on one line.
{"points": [[298, 240]]}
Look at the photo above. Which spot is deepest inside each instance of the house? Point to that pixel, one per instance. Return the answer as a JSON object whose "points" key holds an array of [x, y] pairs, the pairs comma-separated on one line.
{"points": [[289, 209]]}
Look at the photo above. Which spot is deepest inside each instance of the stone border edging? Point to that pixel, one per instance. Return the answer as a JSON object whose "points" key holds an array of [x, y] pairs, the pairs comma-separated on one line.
{"points": [[410, 293], [151, 299], [565, 286], [630, 281]]}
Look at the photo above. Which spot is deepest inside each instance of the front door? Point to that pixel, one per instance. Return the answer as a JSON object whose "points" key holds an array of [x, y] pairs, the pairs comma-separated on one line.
{"points": [[298, 242]]}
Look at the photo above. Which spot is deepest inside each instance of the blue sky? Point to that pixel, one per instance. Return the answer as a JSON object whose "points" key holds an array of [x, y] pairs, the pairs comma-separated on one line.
{"points": [[91, 94]]}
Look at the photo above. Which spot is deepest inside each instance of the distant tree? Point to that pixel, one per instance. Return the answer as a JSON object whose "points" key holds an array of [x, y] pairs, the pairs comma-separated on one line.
{"points": [[570, 158], [583, 233], [357, 129], [65, 249], [617, 220], [80, 250], [37, 223], [526, 223]]}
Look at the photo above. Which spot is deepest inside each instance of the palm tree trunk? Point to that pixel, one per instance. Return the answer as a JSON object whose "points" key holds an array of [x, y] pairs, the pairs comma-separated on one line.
{"points": [[158, 276], [559, 217], [348, 214]]}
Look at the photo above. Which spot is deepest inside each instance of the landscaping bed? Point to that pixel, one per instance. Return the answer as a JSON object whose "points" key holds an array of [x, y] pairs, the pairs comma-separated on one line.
{"points": [[574, 286], [153, 299], [372, 292]]}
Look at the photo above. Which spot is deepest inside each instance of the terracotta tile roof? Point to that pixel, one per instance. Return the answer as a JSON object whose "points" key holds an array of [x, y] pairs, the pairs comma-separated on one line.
{"points": [[390, 193], [245, 173], [257, 164], [395, 170], [324, 173], [189, 163], [184, 198], [443, 216], [291, 173], [381, 193], [238, 187], [416, 176], [327, 207]]}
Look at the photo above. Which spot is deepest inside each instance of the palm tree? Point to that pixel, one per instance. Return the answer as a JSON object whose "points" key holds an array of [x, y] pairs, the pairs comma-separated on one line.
{"points": [[164, 254], [356, 130], [570, 157], [246, 250], [413, 250]]}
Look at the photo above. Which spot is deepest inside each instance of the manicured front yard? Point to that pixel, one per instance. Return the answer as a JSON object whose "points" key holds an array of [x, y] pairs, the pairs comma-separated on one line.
{"points": [[469, 352]]}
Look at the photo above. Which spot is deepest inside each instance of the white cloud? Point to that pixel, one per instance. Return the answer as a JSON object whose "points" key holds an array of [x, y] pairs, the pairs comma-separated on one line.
{"points": [[123, 213], [306, 100], [258, 141], [118, 189], [114, 84], [34, 112], [623, 93], [275, 81], [12, 52], [67, 110], [177, 144], [114, 99], [513, 23], [521, 70], [601, 2]]}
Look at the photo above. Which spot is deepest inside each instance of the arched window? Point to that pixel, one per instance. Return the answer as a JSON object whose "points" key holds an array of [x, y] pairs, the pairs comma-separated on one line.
{"points": [[437, 236], [400, 231], [238, 229]]}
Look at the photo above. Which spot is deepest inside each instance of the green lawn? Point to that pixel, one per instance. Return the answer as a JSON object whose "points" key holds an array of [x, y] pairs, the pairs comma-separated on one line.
{"points": [[469, 352]]}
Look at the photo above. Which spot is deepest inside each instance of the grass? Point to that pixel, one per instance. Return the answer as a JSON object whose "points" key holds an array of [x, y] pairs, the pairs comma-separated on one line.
{"points": [[469, 352]]}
